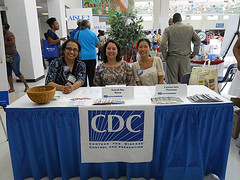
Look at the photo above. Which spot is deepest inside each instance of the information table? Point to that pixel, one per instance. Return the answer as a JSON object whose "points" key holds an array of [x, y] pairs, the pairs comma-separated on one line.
{"points": [[190, 140]]}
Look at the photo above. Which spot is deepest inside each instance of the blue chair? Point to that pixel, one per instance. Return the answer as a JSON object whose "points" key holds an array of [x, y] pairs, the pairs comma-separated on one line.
{"points": [[229, 76], [185, 78]]}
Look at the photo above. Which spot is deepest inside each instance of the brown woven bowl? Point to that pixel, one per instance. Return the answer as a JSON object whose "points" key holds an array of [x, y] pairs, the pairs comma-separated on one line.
{"points": [[41, 94]]}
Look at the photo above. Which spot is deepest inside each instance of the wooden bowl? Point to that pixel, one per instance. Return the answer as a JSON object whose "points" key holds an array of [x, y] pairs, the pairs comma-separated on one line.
{"points": [[41, 94]]}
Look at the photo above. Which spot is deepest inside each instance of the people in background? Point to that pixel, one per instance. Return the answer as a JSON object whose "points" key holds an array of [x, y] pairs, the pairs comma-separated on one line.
{"points": [[148, 71], [73, 33], [68, 72], [176, 48], [170, 22], [113, 70], [145, 34], [51, 36], [236, 52], [159, 38], [103, 39], [12, 58], [89, 42], [154, 41], [149, 37]]}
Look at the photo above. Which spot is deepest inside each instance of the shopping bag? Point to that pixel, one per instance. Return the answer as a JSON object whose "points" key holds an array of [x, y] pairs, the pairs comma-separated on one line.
{"points": [[205, 75], [49, 51]]}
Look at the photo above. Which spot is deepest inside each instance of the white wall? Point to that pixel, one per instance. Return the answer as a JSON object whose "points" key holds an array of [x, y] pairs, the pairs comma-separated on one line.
{"points": [[206, 24], [22, 17], [73, 3], [3, 70], [43, 26], [147, 25]]}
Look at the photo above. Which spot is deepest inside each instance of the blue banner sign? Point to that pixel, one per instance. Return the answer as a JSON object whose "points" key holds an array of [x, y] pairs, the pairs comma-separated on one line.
{"points": [[4, 98], [116, 125]]}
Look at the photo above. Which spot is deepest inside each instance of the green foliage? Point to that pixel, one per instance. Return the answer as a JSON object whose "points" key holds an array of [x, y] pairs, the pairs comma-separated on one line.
{"points": [[126, 29]]}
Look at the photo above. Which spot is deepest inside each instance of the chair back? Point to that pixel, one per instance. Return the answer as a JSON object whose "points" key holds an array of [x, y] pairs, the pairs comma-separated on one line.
{"points": [[185, 78], [230, 73]]}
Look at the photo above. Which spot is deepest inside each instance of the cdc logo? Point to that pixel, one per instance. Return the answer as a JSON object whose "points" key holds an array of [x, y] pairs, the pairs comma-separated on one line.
{"points": [[116, 125]]}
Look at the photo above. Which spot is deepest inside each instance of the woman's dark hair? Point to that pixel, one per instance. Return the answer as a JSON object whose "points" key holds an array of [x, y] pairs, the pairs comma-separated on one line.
{"points": [[102, 33], [71, 40], [144, 39], [6, 26], [51, 21], [119, 55]]}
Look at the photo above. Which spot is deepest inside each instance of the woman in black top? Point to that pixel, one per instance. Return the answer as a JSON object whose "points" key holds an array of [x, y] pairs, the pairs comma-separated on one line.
{"points": [[51, 36], [68, 72]]}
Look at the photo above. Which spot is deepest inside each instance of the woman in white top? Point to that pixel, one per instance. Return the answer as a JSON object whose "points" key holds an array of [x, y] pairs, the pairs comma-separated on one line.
{"points": [[148, 71]]}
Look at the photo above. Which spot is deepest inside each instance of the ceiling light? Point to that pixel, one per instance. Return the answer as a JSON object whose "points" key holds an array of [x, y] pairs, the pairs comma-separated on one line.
{"points": [[39, 7], [45, 14]]}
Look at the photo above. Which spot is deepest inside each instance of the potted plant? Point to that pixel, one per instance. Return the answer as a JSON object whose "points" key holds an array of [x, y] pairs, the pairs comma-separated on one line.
{"points": [[126, 29]]}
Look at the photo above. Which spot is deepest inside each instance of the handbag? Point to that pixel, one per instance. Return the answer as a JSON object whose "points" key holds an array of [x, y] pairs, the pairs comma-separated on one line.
{"points": [[205, 75], [49, 51], [9, 58]]}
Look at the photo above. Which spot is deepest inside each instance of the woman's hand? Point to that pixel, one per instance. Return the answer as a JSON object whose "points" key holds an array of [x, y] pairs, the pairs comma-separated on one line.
{"points": [[63, 38], [68, 88]]}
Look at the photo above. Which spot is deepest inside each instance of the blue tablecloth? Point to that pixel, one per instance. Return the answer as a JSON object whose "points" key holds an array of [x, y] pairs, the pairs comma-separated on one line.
{"points": [[189, 141]]}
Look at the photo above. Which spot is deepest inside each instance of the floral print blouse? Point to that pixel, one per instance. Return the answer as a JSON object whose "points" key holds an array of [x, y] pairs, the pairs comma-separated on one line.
{"points": [[59, 72], [121, 74]]}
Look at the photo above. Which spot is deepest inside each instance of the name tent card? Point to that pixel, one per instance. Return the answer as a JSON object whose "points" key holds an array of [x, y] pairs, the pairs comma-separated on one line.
{"points": [[171, 90], [124, 92]]}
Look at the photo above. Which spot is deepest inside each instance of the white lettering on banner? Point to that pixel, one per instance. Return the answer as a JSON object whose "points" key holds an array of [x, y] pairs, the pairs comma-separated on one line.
{"points": [[114, 134], [128, 124], [78, 13], [94, 119], [77, 17], [110, 126], [120, 120]]}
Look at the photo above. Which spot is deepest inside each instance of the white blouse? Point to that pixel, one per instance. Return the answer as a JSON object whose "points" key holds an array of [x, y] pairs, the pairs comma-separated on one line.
{"points": [[234, 89], [148, 77]]}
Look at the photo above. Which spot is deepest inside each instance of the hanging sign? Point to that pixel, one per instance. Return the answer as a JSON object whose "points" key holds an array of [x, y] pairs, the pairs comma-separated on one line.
{"points": [[99, 26], [73, 15]]}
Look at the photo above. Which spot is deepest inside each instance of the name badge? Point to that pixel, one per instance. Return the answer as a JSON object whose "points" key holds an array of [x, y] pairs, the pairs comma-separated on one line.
{"points": [[125, 92], [171, 90], [71, 79]]}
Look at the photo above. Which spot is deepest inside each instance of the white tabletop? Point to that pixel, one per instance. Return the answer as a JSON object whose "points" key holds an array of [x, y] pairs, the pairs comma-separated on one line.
{"points": [[142, 95]]}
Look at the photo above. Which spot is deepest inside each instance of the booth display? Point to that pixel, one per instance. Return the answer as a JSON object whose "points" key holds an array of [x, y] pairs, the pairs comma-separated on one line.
{"points": [[189, 139]]}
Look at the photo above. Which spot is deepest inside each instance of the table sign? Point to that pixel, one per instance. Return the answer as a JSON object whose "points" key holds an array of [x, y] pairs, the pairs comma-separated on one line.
{"points": [[116, 133], [124, 92], [171, 90]]}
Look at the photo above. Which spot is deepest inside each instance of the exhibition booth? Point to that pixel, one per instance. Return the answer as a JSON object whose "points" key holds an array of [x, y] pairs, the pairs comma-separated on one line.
{"points": [[163, 132], [171, 139]]}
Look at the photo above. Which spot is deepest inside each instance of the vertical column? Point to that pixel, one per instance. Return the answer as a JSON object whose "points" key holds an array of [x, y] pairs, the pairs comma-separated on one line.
{"points": [[4, 99], [160, 14], [23, 21], [56, 8]]}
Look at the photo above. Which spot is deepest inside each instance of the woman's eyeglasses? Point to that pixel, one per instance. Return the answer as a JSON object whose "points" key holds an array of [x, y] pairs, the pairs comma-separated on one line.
{"points": [[72, 49]]}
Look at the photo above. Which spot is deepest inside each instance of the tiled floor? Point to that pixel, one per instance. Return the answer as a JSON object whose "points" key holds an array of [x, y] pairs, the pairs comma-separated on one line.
{"points": [[233, 168]]}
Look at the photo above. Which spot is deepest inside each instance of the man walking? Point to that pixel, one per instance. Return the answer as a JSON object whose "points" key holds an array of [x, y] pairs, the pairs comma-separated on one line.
{"points": [[176, 48]]}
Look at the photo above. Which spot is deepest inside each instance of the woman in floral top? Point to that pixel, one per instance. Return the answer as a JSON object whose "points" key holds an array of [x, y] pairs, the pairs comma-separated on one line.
{"points": [[113, 71], [67, 73]]}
